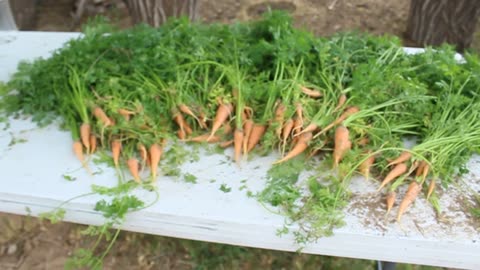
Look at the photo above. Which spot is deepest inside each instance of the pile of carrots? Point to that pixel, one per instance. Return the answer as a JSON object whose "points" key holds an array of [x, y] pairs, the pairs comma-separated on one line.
{"points": [[262, 87]]}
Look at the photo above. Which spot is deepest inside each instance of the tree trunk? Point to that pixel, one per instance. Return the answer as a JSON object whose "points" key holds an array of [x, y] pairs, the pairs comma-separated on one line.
{"points": [[156, 12], [433, 22]]}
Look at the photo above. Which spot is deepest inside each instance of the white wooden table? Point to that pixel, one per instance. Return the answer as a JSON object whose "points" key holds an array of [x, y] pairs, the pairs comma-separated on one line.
{"points": [[32, 179]]}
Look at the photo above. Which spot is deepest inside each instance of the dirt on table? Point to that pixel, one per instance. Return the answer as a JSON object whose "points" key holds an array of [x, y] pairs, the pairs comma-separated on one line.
{"points": [[27, 243]]}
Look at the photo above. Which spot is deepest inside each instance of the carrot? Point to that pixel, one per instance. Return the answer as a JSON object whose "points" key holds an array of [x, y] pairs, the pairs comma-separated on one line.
{"points": [[310, 128], [419, 170], [125, 113], [299, 147], [366, 165], [257, 132], [426, 168], [390, 200], [226, 144], [279, 118], [299, 111], [78, 150], [412, 193], [431, 188], [186, 110], [363, 141], [227, 129], [85, 130], [237, 144], [180, 120], [247, 128], [404, 156], [223, 111], [205, 138], [181, 134], [311, 93], [132, 164], [287, 129], [93, 143], [348, 112], [341, 145], [102, 116], [341, 101], [394, 173], [155, 154], [143, 153], [116, 148]]}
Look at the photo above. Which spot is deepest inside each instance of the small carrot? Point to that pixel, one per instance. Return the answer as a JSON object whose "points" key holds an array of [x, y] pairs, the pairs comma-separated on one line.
{"points": [[102, 116], [310, 128], [341, 101], [78, 150], [181, 134], [280, 118], [287, 129], [257, 132], [85, 130], [143, 153], [133, 167], [311, 93], [237, 144], [366, 165], [297, 125], [412, 193], [419, 170], [186, 110], [223, 111], [431, 188], [362, 141], [205, 138], [226, 144], [348, 112], [426, 169], [180, 120], [390, 200], [125, 113], [299, 147], [116, 148], [394, 173], [227, 129], [341, 144], [155, 154], [247, 128], [299, 112], [93, 143], [404, 156]]}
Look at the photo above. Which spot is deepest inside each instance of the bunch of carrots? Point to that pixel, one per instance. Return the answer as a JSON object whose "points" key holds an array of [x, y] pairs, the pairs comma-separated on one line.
{"points": [[261, 87]]}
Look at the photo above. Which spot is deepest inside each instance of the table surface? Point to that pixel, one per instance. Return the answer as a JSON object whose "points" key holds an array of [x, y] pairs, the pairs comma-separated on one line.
{"points": [[202, 212]]}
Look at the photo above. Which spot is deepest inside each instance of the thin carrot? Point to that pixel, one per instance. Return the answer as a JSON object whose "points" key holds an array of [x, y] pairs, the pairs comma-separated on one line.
{"points": [[310, 128], [226, 144], [431, 188], [366, 165], [287, 129], [419, 170], [404, 156], [426, 169], [125, 113], [279, 118], [102, 116], [93, 143], [237, 144], [116, 148], [257, 132], [412, 193], [181, 134], [205, 138], [223, 111], [155, 154], [390, 200], [299, 111], [180, 120], [247, 128], [299, 147], [133, 167], [394, 173], [78, 150], [85, 130], [143, 153], [348, 112], [341, 101], [311, 93], [362, 141], [186, 110], [341, 145]]}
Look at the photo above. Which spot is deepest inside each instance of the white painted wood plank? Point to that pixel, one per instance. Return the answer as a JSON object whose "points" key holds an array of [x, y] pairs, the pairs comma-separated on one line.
{"points": [[32, 177]]}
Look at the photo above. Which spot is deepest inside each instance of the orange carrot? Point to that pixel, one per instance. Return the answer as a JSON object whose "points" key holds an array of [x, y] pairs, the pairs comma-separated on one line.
{"points": [[180, 120], [412, 193], [102, 116], [366, 165], [116, 148], [419, 170], [186, 110], [348, 112], [311, 93], [93, 143], [390, 200], [363, 141], [155, 154], [226, 144], [205, 138], [299, 147], [85, 135], [287, 129], [279, 118], [394, 173], [257, 132], [133, 167], [223, 111], [431, 188], [342, 144], [299, 111], [78, 151], [247, 128], [426, 169], [404, 156], [181, 134], [227, 129], [143, 153], [237, 144], [341, 101], [125, 113], [310, 128]]}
